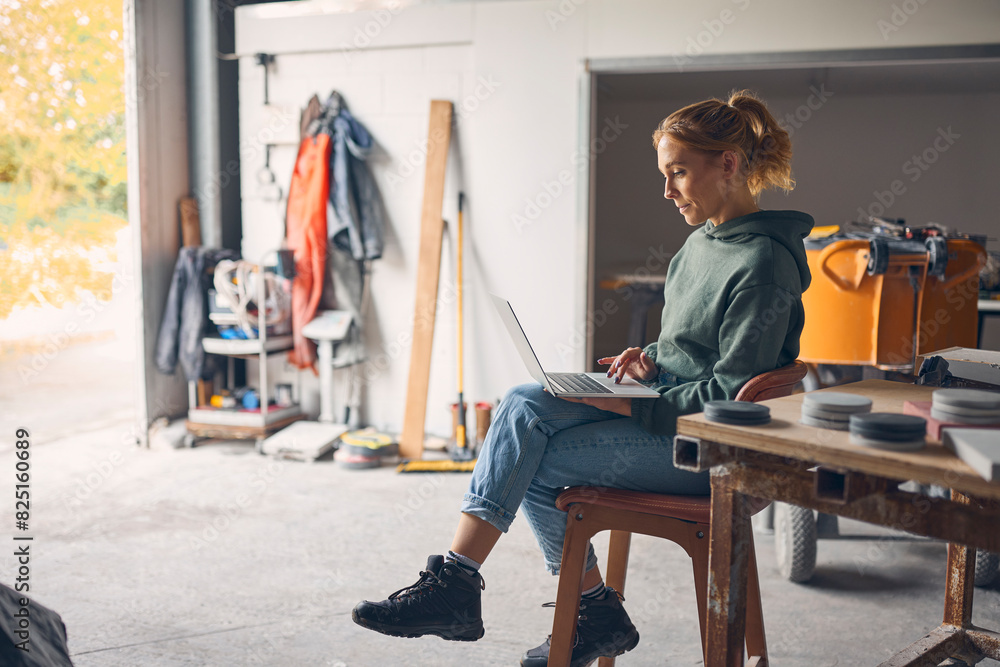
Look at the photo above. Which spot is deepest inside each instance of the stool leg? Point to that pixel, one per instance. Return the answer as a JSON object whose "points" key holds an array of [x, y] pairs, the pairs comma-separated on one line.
{"points": [[699, 563], [574, 560], [756, 642], [618, 550]]}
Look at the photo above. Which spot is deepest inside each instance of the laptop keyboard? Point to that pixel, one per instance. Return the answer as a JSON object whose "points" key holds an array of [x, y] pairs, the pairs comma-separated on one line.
{"points": [[577, 382]]}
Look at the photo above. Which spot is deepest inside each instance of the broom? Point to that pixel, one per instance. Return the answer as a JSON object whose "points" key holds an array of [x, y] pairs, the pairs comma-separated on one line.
{"points": [[462, 456]]}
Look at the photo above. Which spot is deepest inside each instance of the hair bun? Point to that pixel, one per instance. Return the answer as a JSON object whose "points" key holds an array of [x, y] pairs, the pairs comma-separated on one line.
{"points": [[741, 124]]}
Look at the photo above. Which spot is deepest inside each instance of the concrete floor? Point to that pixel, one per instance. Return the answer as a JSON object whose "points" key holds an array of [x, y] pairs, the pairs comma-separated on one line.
{"points": [[218, 556]]}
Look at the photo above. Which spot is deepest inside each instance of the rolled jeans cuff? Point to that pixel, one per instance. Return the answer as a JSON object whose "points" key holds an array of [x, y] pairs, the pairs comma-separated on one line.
{"points": [[553, 568], [489, 512]]}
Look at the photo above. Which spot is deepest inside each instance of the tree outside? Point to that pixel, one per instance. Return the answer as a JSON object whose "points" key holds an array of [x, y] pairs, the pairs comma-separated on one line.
{"points": [[62, 164]]}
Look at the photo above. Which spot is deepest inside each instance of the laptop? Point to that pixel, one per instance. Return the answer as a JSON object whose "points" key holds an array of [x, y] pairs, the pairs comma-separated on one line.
{"points": [[566, 384]]}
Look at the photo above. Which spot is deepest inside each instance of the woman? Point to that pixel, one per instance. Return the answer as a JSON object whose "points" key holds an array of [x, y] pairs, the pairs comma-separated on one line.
{"points": [[733, 310]]}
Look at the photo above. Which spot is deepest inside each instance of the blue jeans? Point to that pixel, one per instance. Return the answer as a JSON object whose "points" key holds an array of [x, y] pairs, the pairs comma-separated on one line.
{"points": [[538, 444]]}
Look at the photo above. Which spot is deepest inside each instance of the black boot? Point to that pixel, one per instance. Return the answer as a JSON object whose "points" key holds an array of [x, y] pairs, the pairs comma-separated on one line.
{"points": [[445, 602], [603, 631]]}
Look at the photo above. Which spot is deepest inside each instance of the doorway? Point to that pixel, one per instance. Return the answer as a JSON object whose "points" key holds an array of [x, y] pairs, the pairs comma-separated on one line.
{"points": [[860, 121]]}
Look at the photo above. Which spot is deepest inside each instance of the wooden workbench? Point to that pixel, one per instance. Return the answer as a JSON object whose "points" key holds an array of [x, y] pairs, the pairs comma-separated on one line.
{"points": [[821, 469]]}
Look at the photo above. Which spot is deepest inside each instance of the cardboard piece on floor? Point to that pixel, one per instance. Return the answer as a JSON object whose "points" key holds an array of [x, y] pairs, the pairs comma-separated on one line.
{"points": [[303, 440], [411, 440]]}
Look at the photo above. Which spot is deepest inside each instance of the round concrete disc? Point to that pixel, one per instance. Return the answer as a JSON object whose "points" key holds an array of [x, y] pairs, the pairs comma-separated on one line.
{"points": [[828, 415], [737, 412], [355, 462], [836, 401], [369, 450], [739, 422], [972, 412], [944, 415], [888, 426], [892, 445], [839, 425], [966, 398]]}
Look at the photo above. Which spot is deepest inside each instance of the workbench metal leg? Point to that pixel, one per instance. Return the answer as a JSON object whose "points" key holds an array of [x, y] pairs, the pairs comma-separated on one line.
{"points": [[931, 650], [961, 579], [950, 639], [727, 574]]}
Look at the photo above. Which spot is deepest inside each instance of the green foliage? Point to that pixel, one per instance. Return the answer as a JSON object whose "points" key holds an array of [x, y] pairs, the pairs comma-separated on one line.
{"points": [[61, 104], [62, 149]]}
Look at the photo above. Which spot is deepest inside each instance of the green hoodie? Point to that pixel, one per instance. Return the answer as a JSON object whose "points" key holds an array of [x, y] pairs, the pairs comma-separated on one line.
{"points": [[733, 311]]}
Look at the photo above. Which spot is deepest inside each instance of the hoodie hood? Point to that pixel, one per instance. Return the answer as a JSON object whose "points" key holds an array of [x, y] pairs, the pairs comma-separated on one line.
{"points": [[787, 228]]}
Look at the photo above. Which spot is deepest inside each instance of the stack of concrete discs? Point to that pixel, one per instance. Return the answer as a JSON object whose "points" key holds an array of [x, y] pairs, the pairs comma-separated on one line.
{"points": [[831, 409], [365, 449], [966, 406], [888, 430], [738, 413]]}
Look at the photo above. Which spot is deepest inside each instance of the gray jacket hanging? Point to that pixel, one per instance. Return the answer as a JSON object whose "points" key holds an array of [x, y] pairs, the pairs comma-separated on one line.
{"points": [[356, 211]]}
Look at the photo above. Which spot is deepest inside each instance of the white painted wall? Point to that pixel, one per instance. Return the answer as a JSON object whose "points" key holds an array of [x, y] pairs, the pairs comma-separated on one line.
{"points": [[514, 68]]}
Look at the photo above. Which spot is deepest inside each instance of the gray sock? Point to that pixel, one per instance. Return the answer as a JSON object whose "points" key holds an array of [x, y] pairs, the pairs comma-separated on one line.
{"points": [[467, 564], [595, 593]]}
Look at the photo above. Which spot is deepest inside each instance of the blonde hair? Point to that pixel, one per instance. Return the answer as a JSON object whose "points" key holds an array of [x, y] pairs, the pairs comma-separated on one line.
{"points": [[743, 125]]}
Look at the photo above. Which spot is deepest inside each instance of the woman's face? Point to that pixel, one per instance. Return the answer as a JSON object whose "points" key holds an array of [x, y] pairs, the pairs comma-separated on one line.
{"points": [[695, 181]]}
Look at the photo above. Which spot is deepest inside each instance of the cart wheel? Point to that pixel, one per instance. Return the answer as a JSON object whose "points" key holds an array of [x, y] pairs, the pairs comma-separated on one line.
{"points": [[189, 441], [987, 563], [937, 255], [795, 541], [878, 256], [258, 445], [827, 525]]}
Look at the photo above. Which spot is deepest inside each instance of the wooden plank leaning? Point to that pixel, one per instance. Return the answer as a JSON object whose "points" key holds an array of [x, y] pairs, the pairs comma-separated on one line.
{"points": [[411, 440]]}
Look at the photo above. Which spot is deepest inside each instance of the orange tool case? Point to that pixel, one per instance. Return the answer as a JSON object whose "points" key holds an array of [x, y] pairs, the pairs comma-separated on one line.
{"points": [[878, 300]]}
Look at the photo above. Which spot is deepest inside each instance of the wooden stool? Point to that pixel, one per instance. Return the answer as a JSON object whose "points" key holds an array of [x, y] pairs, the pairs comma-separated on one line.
{"points": [[681, 519]]}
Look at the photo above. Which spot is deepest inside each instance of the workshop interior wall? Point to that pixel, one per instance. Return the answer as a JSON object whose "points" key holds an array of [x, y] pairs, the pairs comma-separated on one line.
{"points": [[514, 71], [848, 152]]}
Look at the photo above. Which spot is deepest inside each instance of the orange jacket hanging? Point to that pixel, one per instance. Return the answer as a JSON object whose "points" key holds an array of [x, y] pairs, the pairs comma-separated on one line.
{"points": [[305, 224]]}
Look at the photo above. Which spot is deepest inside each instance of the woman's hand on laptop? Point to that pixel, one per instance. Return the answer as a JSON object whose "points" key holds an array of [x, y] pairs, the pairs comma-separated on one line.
{"points": [[632, 362]]}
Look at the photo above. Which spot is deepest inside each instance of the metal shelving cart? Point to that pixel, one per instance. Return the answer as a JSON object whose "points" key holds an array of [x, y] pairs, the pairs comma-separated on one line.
{"points": [[206, 421]]}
